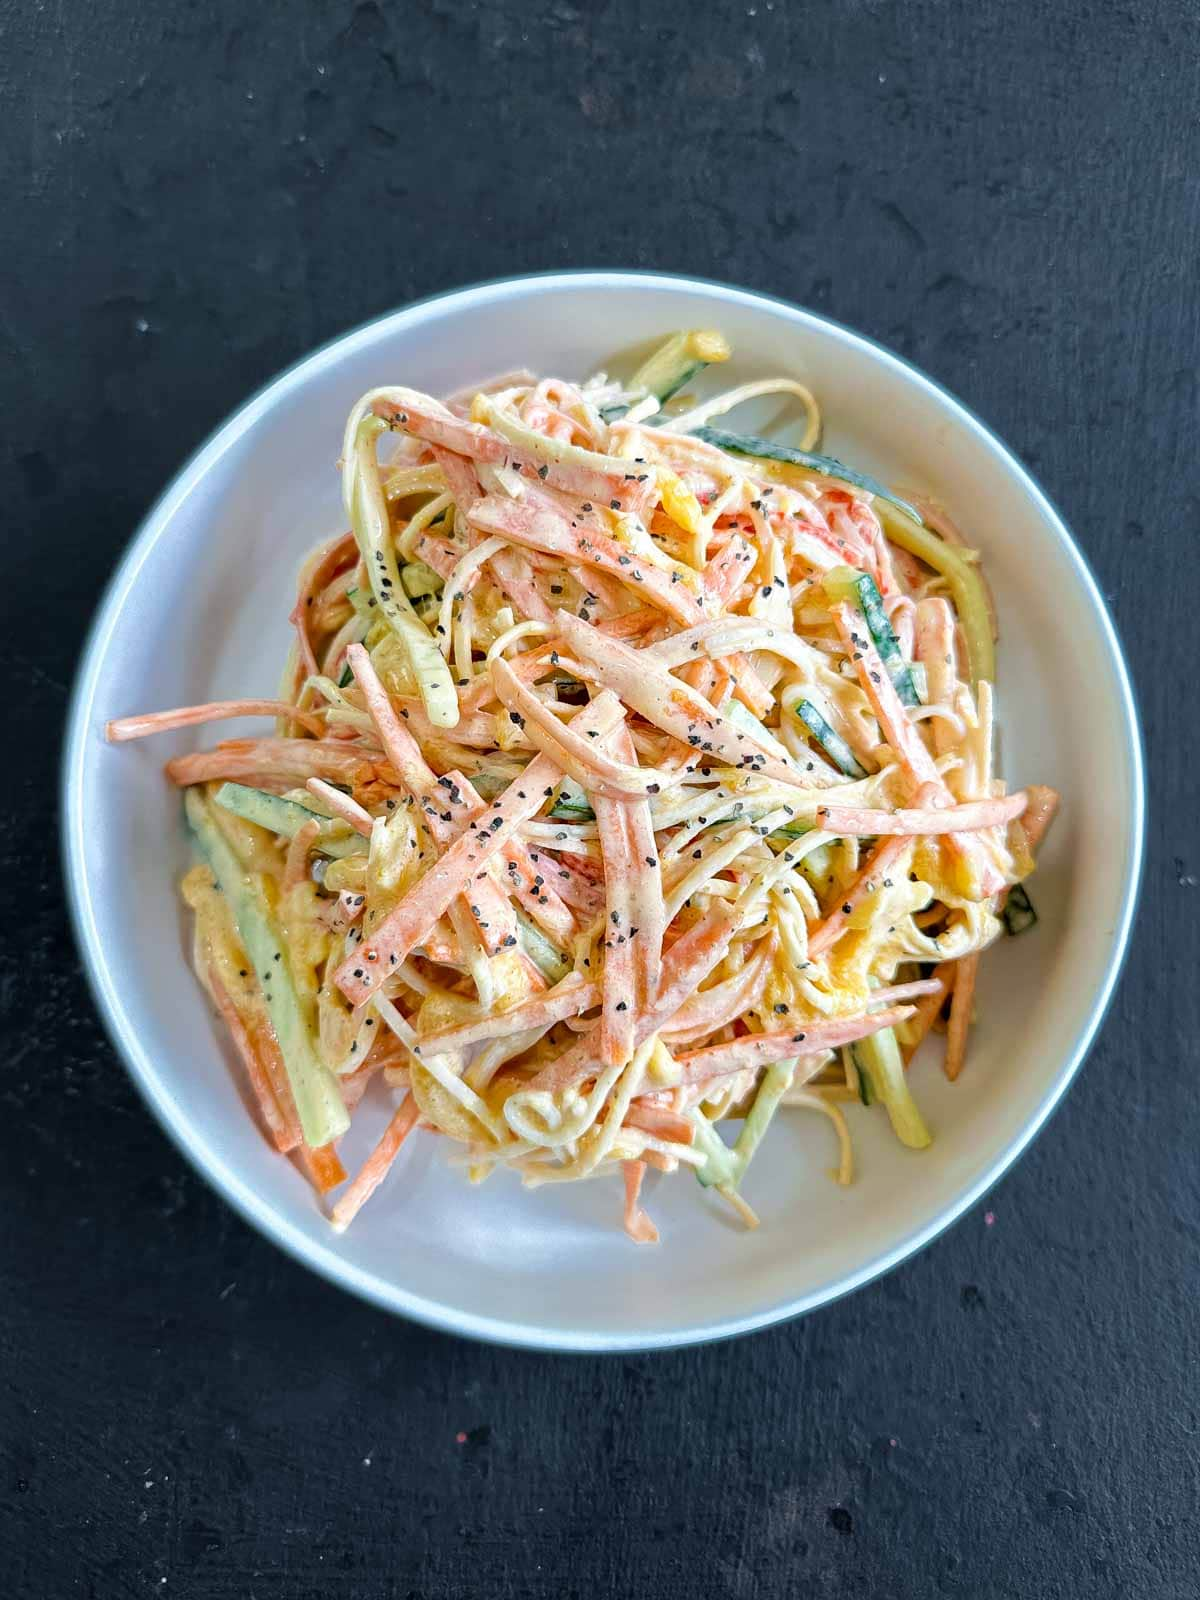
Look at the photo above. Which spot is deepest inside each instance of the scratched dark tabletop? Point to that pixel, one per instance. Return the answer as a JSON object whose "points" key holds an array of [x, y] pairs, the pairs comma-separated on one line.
{"points": [[195, 195]]}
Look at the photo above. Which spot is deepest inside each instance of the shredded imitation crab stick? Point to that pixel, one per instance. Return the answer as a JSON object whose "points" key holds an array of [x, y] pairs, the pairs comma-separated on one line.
{"points": [[543, 527], [761, 1049], [124, 728], [594, 766], [670, 704], [362, 972]]}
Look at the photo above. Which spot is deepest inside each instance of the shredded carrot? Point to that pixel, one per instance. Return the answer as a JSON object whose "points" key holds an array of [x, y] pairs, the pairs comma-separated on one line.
{"points": [[325, 1171], [927, 1009], [278, 1113], [377, 1165], [961, 1002], [637, 1224]]}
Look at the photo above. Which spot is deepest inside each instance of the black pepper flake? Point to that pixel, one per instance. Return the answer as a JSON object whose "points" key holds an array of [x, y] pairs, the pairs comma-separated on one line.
{"points": [[621, 1005], [543, 471], [615, 504]]}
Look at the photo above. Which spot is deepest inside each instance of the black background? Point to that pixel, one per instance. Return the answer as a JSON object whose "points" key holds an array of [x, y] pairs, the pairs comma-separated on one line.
{"points": [[196, 194]]}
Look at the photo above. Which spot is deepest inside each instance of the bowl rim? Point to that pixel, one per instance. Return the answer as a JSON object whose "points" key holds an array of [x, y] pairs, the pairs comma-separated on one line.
{"points": [[236, 1191]]}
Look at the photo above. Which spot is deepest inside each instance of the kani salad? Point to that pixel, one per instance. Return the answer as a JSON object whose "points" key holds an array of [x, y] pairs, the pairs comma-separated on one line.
{"points": [[632, 779]]}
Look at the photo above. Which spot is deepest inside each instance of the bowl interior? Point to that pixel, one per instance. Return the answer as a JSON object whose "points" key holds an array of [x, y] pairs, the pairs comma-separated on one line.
{"points": [[199, 611]]}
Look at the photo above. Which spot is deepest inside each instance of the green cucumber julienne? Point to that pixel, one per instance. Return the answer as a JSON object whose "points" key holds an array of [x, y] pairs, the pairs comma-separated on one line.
{"points": [[285, 817], [845, 583], [752, 444], [881, 1077], [834, 746], [1018, 915], [682, 358], [319, 1104]]}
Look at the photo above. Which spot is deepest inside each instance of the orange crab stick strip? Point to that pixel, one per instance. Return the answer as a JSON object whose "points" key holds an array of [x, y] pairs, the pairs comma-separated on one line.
{"points": [[762, 1049], [967, 818], [286, 763], [543, 526], [124, 728]]}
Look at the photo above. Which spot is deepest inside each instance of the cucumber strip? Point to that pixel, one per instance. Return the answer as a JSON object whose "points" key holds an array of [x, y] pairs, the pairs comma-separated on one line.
{"points": [[571, 804], [737, 713], [551, 963], [372, 533], [751, 444], [725, 1167], [792, 830], [834, 746], [904, 528], [880, 1056], [561, 811], [419, 579], [319, 1105], [488, 785], [683, 357], [865, 1092], [719, 1167], [1018, 914], [285, 817], [859, 588]]}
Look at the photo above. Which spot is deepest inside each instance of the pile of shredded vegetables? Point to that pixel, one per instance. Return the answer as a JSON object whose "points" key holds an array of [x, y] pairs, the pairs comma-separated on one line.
{"points": [[632, 779]]}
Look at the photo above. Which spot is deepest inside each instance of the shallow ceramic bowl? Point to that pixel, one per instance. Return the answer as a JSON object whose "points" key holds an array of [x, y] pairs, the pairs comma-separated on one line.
{"points": [[198, 611]]}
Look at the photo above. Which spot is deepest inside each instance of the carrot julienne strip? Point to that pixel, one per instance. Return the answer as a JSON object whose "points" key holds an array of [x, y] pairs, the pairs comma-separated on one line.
{"points": [[961, 1002], [637, 1224], [377, 1165], [276, 1108]]}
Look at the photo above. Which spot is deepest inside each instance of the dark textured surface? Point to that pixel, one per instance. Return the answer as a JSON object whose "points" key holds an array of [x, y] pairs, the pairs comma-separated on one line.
{"points": [[198, 193]]}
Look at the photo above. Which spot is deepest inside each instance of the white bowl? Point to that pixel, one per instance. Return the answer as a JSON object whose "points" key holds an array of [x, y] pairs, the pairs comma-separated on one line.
{"points": [[198, 611]]}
